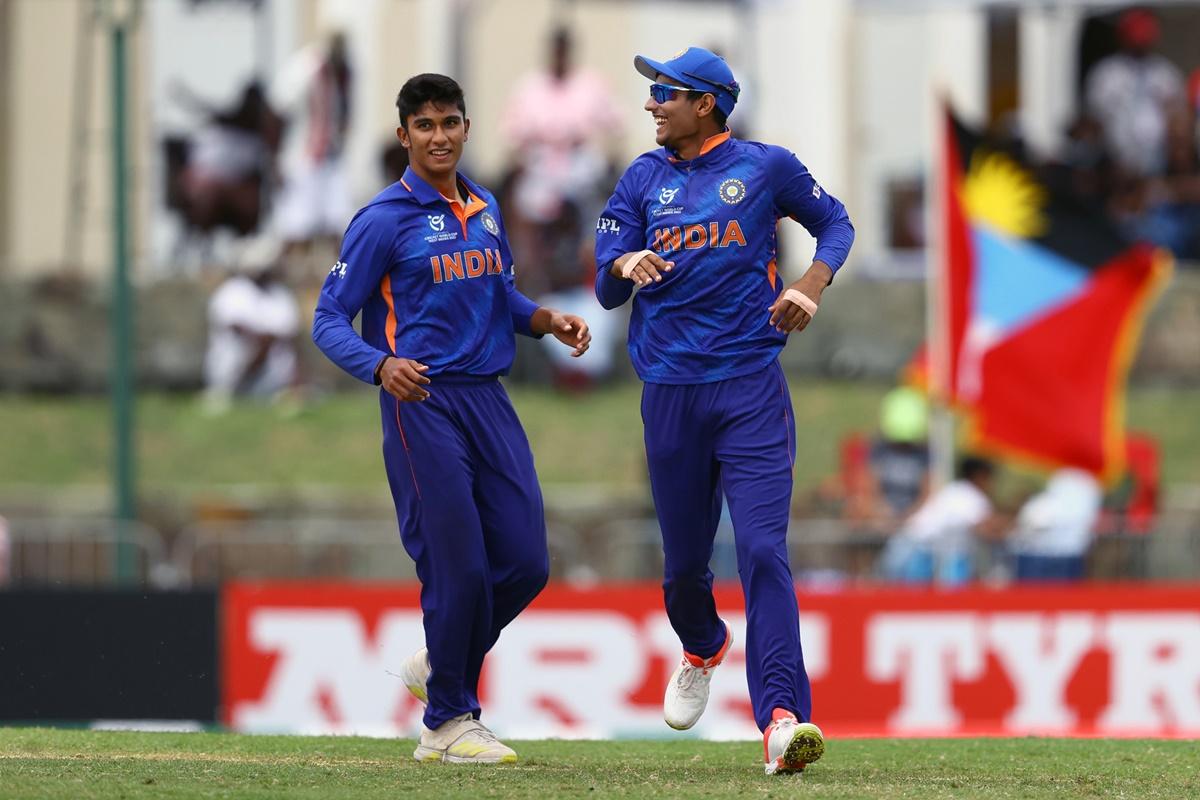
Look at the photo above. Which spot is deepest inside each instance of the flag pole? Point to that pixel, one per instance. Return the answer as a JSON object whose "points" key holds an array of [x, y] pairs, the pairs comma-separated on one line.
{"points": [[941, 421]]}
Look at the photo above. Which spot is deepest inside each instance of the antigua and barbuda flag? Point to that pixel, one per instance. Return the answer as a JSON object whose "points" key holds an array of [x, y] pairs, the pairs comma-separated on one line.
{"points": [[1042, 301]]}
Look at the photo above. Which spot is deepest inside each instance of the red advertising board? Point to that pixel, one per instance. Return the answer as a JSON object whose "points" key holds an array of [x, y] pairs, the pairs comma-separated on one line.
{"points": [[1097, 660]]}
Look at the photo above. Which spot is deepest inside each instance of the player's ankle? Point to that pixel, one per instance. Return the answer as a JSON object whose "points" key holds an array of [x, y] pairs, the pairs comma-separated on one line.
{"points": [[782, 713]]}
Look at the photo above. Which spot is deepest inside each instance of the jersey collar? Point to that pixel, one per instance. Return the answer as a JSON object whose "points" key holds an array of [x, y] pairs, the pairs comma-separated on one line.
{"points": [[426, 195], [710, 144]]}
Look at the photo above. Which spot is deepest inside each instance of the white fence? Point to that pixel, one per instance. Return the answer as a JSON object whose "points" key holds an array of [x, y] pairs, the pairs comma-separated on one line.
{"points": [[83, 551]]}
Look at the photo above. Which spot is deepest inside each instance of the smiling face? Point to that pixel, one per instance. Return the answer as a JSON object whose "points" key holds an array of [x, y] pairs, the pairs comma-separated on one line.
{"points": [[434, 137], [683, 122]]}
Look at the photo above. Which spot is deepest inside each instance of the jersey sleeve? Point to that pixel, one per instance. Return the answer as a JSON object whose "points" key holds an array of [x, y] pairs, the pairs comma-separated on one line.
{"points": [[621, 229], [520, 307], [799, 196], [365, 257]]}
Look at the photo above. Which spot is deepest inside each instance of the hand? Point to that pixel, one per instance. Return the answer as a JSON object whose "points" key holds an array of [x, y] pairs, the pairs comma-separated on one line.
{"points": [[571, 331], [404, 378], [786, 316], [647, 271]]}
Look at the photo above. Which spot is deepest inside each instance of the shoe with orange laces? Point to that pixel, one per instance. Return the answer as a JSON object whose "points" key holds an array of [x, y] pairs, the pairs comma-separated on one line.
{"points": [[687, 691], [790, 745]]}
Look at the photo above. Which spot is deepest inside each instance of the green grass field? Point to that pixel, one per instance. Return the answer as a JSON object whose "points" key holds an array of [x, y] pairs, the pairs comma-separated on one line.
{"points": [[45, 763], [593, 440]]}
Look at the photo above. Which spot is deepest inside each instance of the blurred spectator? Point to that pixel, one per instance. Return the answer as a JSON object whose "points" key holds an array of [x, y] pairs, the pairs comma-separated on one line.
{"points": [[1132, 506], [1173, 218], [1165, 210], [560, 122], [5, 553], [216, 177], [393, 160], [935, 543], [253, 324], [1083, 170], [897, 475], [1194, 99], [1132, 93], [314, 202], [578, 297], [1054, 528]]}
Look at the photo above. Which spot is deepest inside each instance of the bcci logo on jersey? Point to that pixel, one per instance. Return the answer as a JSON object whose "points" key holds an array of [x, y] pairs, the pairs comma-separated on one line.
{"points": [[489, 224], [732, 191], [437, 222]]}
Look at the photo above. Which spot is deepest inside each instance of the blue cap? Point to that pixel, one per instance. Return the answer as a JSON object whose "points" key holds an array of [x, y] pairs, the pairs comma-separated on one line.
{"points": [[699, 69]]}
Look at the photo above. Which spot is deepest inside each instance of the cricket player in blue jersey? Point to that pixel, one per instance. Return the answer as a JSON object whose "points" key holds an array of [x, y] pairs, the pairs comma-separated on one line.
{"points": [[691, 226], [428, 265]]}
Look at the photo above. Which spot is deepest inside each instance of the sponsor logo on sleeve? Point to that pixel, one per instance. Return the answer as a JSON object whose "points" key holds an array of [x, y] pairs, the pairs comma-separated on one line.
{"points": [[607, 225], [339, 269]]}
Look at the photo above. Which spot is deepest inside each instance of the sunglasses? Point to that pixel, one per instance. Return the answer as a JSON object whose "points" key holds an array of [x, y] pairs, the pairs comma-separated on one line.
{"points": [[665, 92]]}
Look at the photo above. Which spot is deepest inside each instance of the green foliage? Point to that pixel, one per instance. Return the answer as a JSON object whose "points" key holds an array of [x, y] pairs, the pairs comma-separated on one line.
{"points": [[43, 763]]}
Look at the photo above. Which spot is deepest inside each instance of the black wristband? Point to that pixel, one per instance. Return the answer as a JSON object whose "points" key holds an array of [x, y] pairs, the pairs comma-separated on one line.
{"points": [[378, 368]]}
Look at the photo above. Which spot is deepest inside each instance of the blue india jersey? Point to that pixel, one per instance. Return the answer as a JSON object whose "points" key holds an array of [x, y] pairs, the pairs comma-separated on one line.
{"points": [[715, 216], [433, 280]]}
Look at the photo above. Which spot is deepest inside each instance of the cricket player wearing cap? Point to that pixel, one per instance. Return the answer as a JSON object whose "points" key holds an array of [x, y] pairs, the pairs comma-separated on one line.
{"points": [[427, 263], [691, 226]]}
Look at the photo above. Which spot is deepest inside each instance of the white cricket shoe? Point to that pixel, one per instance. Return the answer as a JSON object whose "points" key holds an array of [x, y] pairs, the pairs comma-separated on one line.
{"points": [[463, 740], [415, 674], [790, 745], [687, 691]]}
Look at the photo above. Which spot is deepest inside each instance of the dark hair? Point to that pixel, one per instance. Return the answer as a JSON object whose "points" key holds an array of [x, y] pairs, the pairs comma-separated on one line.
{"points": [[428, 87], [972, 467], [718, 115]]}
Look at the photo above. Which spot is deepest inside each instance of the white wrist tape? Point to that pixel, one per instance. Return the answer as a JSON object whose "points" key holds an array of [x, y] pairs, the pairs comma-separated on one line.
{"points": [[632, 263], [801, 299]]}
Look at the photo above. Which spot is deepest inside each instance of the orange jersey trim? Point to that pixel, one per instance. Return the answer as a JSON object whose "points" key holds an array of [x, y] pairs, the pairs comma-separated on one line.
{"points": [[712, 141], [475, 204], [385, 289], [709, 144]]}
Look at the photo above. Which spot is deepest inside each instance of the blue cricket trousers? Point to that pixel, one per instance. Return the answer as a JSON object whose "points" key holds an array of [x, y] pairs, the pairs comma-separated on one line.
{"points": [[735, 437], [471, 517]]}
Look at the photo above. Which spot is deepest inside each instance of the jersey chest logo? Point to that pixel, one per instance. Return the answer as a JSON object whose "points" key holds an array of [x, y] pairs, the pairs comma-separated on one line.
{"points": [[666, 202], [695, 237], [437, 224], [466, 264], [732, 191], [489, 224]]}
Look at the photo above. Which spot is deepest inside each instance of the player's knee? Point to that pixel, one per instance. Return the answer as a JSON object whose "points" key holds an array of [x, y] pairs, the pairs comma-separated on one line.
{"points": [[471, 578], [534, 572], [686, 567], [760, 554]]}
